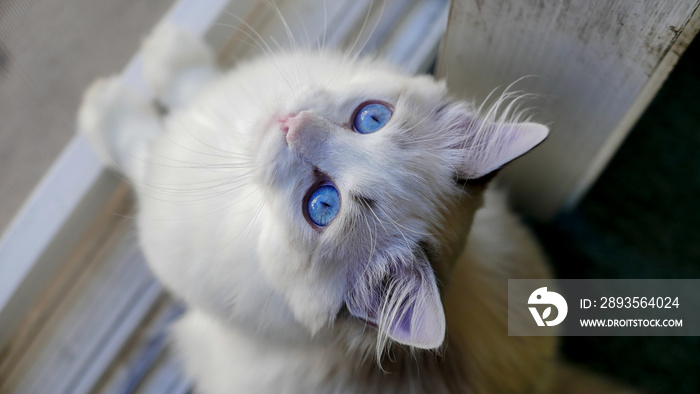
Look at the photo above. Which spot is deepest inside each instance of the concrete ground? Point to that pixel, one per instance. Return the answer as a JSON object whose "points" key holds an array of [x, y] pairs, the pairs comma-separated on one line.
{"points": [[50, 51]]}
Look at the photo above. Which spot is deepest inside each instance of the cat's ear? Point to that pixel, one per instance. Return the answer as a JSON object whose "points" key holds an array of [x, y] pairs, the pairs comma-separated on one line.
{"points": [[486, 146], [402, 301]]}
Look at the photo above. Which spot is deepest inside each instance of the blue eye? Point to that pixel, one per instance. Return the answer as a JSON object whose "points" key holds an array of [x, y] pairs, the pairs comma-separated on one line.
{"points": [[323, 205], [371, 118]]}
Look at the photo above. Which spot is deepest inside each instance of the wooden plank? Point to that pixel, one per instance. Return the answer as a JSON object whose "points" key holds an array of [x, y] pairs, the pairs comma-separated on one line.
{"points": [[100, 236], [594, 64], [85, 310], [145, 361]]}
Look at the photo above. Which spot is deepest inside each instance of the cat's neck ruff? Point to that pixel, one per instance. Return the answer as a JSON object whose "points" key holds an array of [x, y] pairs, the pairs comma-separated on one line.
{"points": [[227, 360]]}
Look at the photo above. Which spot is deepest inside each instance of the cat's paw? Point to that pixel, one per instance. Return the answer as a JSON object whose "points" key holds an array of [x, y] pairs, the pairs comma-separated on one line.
{"points": [[176, 64], [98, 111], [115, 119]]}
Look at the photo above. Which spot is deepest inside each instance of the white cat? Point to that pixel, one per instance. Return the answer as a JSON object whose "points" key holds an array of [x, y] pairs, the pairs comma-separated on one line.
{"points": [[312, 210]]}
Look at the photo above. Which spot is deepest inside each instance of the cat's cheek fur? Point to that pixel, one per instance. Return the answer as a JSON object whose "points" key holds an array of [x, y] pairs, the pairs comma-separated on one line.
{"points": [[314, 294]]}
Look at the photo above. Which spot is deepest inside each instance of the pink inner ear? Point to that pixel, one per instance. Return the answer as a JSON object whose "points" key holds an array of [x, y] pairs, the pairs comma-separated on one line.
{"points": [[497, 144], [422, 323], [404, 303]]}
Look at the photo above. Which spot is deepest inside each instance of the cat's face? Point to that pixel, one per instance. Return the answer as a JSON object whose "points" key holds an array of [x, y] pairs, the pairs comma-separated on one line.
{"points": [[363, 173]]}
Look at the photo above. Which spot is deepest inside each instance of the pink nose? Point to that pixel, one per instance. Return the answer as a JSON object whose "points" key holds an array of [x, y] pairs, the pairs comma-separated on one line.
{"points": [[286, 122]]}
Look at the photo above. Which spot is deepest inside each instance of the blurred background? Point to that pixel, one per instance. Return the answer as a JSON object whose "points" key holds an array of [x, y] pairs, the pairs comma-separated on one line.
{"points": [[640, 220], [49, 53], [79, 311]]}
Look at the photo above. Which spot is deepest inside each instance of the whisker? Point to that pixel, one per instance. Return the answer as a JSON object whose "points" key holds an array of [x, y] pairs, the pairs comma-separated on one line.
{"points": [[362, 29]]}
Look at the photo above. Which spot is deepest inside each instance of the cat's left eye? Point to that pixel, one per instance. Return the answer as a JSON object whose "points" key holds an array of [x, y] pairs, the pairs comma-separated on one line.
{"points": [[371, 117], [323, 205]]}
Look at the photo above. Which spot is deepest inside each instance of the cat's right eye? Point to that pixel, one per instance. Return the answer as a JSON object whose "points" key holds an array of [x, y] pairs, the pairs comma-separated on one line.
{"points": [[322, 205], [371, 117]]}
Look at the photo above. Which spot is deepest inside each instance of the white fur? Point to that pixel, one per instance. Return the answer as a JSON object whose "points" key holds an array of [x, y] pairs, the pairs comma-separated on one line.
{"points": [[228, 360], [221, 193], [177, 65], [120, 124]]}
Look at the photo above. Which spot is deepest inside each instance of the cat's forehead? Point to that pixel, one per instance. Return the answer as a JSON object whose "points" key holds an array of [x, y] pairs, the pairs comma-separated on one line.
{"points": [[389, 86], [342, 80]]}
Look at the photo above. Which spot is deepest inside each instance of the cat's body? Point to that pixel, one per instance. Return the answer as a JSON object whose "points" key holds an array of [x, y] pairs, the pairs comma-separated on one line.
{"points": [[479, 356], [278, 303]]}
